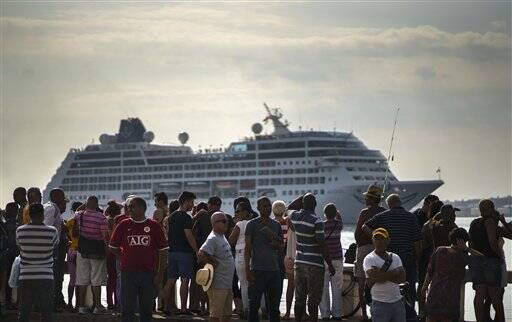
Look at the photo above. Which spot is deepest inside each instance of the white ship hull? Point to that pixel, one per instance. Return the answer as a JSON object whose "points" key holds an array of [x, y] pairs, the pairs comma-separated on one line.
{"points": [[336, 166]]}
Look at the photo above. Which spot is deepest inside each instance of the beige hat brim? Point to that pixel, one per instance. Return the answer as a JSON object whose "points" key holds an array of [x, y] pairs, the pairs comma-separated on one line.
{"points": [[372, 195], [211, 271]]}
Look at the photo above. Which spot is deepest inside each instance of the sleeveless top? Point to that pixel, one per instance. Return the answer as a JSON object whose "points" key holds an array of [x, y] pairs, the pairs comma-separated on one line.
{"points": [[479, 239], [240, 243]]}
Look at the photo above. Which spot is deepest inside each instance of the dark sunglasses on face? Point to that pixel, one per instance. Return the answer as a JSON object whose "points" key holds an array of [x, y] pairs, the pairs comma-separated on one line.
{"points": [[221, 221]]}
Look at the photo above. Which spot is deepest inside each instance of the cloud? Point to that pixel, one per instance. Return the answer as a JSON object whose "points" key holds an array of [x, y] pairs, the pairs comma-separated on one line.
{"points": [[499, 25], [425, 73], [178, 65]]}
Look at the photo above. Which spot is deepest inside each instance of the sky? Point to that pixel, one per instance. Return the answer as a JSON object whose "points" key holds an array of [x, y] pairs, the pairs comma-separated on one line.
{"points": [[71, 70]]}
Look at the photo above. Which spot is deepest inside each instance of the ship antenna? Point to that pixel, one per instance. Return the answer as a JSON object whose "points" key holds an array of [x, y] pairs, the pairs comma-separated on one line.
{"points": [[389, 153]]}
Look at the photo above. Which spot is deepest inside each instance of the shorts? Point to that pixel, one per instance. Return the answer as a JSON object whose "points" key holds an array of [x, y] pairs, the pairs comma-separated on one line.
{"points": [[309, 284], [181, 264], [90, 271], [72, 266], [486, 271], [361, 253], [221, 303]]}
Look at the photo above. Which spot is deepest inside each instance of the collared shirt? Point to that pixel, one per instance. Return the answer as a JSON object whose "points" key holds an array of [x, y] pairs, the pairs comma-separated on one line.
{"points": [[309, 230], [402, 227], [139, 242], [52, 216]]}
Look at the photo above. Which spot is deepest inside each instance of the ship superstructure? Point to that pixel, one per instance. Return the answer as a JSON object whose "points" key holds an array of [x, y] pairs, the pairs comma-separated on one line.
{"points": [[336, 166]]}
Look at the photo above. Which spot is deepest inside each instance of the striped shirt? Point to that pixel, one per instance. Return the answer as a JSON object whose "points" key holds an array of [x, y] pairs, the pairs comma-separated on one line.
{"points": [[92, 224], [36, 243], [309, 230], [402, 227], [333, 238]]}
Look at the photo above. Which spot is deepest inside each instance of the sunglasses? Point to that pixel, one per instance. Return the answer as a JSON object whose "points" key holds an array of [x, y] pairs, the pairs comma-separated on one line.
{"points": [[224, 221]]}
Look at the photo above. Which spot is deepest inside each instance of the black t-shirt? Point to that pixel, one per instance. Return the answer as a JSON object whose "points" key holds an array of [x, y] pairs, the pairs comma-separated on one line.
{"points": [[202, 227], [421, 216], [178, 222]]}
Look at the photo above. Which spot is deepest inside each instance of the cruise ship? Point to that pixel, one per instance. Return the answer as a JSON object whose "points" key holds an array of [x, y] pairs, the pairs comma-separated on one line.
{"points": [[336, 166]]}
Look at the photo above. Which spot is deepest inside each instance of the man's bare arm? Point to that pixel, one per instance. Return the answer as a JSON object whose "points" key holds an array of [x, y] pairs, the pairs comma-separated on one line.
{"points": [[247, 255], [367, 230], [376, 275], [191, 240], [203, 258], [115, 250], [358, 233]]}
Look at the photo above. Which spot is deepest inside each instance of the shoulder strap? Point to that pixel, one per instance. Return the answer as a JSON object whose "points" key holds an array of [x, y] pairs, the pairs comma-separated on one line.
{"points": [[332, 230], [387, 262]]}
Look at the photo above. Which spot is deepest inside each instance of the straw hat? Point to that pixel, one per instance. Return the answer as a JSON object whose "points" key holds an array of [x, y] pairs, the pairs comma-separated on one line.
{"points": [[204, 277], [374, 191]]}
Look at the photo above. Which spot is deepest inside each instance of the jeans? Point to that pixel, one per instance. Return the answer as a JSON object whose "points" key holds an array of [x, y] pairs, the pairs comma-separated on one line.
{"points": [[137, 285], [409, 264], [265, 282], [244, 285], [59, 261], [388, 312], [336, 285], [33, 291]]}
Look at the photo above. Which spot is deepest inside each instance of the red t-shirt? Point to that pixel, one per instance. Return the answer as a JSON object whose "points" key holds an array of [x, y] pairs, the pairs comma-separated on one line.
{"points": [[139, 242]]}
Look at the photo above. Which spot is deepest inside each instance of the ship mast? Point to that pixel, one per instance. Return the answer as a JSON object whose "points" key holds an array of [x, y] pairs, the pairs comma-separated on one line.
{"points": [[275, 116]]}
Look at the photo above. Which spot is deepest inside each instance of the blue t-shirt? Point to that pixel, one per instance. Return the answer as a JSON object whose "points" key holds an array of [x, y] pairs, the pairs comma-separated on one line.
{"points": [[263, 257]]}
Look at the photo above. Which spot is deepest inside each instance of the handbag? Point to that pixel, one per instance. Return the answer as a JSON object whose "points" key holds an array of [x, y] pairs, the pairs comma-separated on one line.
{"points": [[90, 248], [368, 287]]}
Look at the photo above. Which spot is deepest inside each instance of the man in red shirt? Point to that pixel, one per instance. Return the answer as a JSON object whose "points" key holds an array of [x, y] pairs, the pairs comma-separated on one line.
{"points": [[136, 241]]}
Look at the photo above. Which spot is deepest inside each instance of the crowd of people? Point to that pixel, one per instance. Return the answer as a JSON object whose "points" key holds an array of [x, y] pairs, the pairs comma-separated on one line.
{"points": [[236, 264]]}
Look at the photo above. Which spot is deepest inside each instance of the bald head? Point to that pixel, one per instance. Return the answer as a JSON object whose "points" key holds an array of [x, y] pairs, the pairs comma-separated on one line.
{"points": [[393, 201], [219, 222]]}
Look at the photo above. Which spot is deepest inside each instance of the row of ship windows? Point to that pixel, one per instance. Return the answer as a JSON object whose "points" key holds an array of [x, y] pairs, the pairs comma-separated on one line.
{"points": [[218, 158], [191, 175], [148, 185], [379, 169], [241, 147], [225, 165], [378, 178], [248, 194]]}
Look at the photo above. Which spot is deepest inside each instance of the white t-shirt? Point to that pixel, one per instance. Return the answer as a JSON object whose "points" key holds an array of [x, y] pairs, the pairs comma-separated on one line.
{"points": [[387, 292], [240, 243]]}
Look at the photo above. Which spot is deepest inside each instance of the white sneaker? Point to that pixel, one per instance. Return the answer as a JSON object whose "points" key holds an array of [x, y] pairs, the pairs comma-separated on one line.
{"points": [[83, 310], [99, 310]]}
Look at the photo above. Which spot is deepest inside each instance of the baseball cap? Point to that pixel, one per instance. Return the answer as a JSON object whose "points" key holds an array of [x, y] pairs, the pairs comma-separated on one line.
{"points": [[381, 232]]}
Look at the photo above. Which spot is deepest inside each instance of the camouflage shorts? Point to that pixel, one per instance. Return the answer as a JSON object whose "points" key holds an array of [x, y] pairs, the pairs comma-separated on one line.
{"points": [[309, 284]]}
